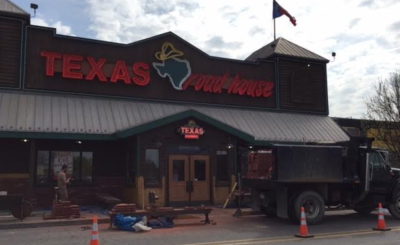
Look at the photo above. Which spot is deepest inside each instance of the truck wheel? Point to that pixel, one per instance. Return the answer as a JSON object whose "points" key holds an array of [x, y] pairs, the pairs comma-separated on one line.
{"points": [[313, 204], [394, 205]]}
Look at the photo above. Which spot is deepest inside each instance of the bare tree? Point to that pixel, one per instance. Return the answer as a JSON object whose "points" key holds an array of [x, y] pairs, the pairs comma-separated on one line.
{"points": [[383, 112]]}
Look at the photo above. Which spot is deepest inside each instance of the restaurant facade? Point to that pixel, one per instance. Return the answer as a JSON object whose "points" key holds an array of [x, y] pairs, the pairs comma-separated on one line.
{"points": [[154, 116]]}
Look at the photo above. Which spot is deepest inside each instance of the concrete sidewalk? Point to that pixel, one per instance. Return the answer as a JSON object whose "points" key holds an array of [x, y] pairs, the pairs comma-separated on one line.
{"points": [[7, 221], [218, 215]]}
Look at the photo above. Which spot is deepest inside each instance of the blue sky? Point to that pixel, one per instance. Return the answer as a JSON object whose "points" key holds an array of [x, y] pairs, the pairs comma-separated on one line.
{"points": [[365, 34]]}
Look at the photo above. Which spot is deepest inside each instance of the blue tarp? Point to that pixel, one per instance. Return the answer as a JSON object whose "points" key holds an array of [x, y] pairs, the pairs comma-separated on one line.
{"points": [[126, 222], [161, 222]]}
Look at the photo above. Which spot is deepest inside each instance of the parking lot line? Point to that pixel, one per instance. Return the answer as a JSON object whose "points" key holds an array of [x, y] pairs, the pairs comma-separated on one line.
{"points": [[289, 238]]}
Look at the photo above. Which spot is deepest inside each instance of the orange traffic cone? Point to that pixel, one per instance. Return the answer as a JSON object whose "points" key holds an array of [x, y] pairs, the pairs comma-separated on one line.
{"points": [[303, 231], [381, 220], [95, 232]]}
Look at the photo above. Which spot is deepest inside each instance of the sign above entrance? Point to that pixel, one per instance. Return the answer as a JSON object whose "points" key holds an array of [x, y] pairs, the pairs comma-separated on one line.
{"points": [[181, 77], [161, 68], [191, 130], [178, 71]]}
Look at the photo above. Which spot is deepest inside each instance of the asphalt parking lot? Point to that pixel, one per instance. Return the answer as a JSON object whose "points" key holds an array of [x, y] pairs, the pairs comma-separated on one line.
{"points": [[345, 225]]}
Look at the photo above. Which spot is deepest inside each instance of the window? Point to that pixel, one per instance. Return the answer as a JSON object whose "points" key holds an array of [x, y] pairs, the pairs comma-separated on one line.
{"points": [[376, 160], [48, 165], [222, 173], [178, 170], [199, 170], [42, 167], [14, 155], [86, 167], [151, 168]]}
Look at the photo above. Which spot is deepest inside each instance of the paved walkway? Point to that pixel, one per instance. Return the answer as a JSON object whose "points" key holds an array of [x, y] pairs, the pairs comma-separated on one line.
{"points": [[218, 215], [7, 221]]}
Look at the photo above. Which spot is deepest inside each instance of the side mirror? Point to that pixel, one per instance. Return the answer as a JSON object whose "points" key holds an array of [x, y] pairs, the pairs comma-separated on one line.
{"points": [[394, 173]]}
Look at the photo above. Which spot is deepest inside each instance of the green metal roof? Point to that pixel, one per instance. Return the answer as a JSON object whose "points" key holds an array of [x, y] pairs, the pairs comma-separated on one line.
{"points": [[10, 7], [70, 116], [284, 47]]}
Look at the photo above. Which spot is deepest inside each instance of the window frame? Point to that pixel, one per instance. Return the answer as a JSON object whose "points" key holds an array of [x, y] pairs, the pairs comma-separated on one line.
{"points": [[51, 180], [157, 183], [219, 182]]}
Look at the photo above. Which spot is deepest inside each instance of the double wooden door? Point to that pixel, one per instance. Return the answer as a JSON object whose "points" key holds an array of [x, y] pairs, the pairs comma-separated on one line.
{"points": [[189, 179]]}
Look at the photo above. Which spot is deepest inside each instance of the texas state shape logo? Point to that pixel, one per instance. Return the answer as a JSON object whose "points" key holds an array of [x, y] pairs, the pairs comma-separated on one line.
{"points": [[177, 70]]}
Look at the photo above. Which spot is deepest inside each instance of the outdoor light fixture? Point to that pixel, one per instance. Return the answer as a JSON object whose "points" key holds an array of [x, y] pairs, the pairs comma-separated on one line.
{"points": [[250, 147], [34, 6], [78, 142], [25, 140], [229, 146], [333, 56]]}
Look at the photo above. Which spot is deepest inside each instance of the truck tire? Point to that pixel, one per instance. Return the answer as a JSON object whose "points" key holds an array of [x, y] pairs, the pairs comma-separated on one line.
{"points": [[394, 205], [313, 204]]}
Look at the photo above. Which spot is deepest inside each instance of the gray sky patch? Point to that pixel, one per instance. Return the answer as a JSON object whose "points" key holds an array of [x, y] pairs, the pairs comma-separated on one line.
{"points": [[354, 22], [188, 6], [218, 42], [345, 39], [371, 70], [381, 41], [158, 7], [395, 26], [255, 30], [366, 3]]}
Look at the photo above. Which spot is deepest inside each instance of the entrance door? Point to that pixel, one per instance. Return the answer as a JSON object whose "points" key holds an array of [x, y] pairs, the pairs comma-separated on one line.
{"points": [[189, 179]]}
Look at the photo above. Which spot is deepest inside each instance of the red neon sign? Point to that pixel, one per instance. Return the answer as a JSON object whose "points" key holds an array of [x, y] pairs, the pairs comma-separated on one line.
{"points": [[72, 68], [235, 85], [191, 130]]}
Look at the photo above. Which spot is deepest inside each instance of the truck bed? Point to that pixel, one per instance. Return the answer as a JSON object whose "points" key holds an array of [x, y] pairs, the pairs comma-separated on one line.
{"points": [[305, 163], [296, 164]]}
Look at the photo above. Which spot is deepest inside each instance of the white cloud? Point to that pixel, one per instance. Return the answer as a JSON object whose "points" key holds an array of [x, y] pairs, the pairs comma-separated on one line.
{"points": [[61, 28], [196, 21], [364, 34]]}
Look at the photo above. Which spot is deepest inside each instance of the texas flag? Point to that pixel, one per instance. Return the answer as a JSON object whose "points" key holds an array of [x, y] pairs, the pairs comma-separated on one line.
{"points": [[278, 11]]}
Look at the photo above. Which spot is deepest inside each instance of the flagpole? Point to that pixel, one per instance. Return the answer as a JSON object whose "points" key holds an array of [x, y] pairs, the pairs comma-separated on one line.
{"points": [[273, 16]]}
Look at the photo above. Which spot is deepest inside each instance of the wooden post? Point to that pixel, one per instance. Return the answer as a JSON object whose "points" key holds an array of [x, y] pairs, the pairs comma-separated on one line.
{"points": [[230, 195]]}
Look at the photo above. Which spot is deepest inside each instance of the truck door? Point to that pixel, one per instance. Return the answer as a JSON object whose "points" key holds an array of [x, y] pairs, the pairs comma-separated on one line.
{"points": [[380, 173]]}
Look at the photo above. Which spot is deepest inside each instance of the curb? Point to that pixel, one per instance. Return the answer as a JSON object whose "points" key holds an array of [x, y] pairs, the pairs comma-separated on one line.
{"points": [[52, 223]]}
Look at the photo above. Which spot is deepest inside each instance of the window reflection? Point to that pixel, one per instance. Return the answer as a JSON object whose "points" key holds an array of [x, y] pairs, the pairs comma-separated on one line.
{"points": [[48, 165], [151, 167], [178, 169], [222, 173], [200, 170], [42, 167]]}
